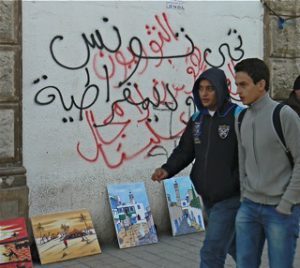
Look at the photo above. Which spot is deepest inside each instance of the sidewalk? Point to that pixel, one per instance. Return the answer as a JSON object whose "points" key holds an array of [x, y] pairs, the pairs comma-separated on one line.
{"points": [[169, 252]]}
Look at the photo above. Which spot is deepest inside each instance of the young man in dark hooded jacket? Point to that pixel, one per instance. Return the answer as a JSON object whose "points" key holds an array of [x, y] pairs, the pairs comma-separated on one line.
{"points": [[294, 99], [210, 141]]}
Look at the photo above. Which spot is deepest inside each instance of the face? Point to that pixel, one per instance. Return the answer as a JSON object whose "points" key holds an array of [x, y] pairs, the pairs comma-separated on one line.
{"points": [[247, 90], [207, 95]]}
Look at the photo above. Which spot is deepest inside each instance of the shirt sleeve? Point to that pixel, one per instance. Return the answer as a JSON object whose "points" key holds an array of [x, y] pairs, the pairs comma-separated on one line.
{"points": [[183, 154]]}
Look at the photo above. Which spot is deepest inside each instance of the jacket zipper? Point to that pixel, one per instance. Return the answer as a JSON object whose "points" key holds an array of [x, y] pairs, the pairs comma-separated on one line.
{"points": [[254, 151], [208, 146]]}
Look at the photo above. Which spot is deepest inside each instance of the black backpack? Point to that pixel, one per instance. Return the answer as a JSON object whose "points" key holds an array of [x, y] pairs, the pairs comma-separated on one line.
{"points": [[277, 126]]}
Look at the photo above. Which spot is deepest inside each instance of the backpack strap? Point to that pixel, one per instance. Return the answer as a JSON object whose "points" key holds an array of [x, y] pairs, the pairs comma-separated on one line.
{"points": [[277, 126], [278, 129], [237, 110], [277, 122], [195, 115]]}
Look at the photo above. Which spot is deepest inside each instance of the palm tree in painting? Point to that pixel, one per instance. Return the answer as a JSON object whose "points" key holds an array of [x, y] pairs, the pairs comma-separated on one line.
{"points": [[65, 228], [40, 228], [83, 219]]}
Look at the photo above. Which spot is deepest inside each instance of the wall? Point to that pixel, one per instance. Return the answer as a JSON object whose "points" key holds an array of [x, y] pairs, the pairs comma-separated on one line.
{"points": [[106, 92], [282, 39], [13, 189]]}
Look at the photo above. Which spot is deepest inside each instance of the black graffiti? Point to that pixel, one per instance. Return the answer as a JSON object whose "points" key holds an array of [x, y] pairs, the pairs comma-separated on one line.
{"points": [[156, 119], [45, 77], [65, 120], [189, 101], [190, 104], [144, 104], [96, 41], [140, 56], [238, 48], [158, 150], [135, 46], [81, 106], [45, 96]]}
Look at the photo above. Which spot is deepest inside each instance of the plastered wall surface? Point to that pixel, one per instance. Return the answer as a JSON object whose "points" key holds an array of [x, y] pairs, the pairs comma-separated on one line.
{"points": [[107, 92]]}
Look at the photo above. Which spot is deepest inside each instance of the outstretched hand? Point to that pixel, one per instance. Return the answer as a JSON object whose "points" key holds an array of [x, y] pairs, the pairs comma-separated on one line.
{"points": [[159, 174]]}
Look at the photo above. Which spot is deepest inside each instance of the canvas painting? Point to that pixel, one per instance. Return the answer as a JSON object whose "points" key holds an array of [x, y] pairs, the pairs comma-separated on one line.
{"points": [[14, 244], [132, 215], [185, 206], [63, 236]]}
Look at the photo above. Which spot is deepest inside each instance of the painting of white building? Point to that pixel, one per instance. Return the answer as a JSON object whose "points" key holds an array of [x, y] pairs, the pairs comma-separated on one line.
{"points": [[131, 213], [185, 206]]}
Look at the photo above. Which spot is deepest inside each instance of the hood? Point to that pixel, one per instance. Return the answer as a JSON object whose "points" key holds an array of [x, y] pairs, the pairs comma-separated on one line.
{"points": [[218, 79]]}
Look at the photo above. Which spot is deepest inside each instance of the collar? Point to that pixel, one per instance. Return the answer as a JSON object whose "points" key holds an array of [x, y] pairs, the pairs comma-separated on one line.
{"points": [[260, 103], [211, 112]]}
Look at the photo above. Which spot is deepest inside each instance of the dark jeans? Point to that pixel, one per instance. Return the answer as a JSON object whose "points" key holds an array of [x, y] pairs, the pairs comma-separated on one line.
{"points": [[220, 233]]}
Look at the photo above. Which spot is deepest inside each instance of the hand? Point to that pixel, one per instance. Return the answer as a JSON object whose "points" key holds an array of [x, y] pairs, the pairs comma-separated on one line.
{"points": [[159, 174], [282, 212]]}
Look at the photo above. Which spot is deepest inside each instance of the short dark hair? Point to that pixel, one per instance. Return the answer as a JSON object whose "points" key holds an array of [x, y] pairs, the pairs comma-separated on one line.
{"points": [[256, 69]]}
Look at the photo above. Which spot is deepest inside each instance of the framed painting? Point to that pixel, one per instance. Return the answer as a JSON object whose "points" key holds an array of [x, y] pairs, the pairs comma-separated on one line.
{"points": [[185, 206], [132, 215], [14, 244], [65, 235]]}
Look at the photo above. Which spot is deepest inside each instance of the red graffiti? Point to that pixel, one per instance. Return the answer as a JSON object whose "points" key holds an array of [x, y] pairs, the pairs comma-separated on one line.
{"points": [[114, 158], [138, 93]]}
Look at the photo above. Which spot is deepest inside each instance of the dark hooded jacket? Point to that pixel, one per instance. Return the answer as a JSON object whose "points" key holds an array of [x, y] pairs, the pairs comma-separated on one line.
{"points": [[293, 102], [210, 141]]}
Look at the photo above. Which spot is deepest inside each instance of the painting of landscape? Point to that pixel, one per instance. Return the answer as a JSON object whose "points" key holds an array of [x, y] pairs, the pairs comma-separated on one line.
{"points": [[14, 244], [185, 207], [63, 236], [132, 215]]}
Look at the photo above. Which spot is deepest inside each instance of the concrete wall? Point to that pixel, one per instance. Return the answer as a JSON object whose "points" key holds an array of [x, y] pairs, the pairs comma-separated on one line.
{"points": [[282, 45], [13, 189], [106, 92]]}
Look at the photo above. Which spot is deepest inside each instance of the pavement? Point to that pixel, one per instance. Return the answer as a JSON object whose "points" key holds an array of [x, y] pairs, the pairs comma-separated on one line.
{"points": [[170, 252]]}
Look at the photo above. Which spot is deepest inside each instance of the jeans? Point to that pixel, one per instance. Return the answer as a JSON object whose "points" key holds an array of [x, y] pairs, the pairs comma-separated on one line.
{"points": [[256, 223], [220, 233]]}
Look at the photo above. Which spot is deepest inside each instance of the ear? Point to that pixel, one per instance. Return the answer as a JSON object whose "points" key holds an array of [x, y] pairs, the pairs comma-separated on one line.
{"points": [[261, 85]]}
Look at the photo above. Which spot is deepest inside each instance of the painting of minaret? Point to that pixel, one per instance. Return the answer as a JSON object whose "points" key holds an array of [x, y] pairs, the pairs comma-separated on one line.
{"points": [[131, 213], [185, 206]]}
